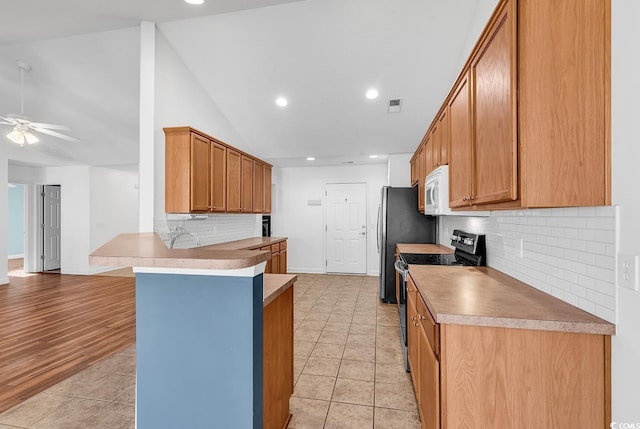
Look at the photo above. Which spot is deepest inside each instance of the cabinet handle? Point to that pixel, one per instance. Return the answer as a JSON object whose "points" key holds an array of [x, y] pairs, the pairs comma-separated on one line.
{"points": [[465, 198], [421, 317]]}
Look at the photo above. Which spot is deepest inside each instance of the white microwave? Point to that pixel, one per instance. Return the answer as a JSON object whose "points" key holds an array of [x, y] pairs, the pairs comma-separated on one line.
{"points": [[436, 192], [436, 195]]}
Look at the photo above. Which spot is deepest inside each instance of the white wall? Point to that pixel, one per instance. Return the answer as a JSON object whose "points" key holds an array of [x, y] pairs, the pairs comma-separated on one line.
{"points": [[4, 218], [305, 224], [399, 169], [96, 205], [113, 206], [625, 111], [180, 100], [75, 216]]}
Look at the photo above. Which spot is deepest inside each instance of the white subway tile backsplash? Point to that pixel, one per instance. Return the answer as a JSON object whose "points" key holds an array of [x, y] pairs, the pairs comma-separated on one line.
{"points": [[567, 252], [215, 228]]}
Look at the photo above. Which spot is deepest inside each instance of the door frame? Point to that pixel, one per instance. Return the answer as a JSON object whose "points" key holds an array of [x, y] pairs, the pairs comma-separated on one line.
{"points": [[325, 218], [34, 235]]}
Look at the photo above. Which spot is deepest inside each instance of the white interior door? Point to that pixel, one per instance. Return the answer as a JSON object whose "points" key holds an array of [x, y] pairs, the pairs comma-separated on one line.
{"points": [[51, 227], [347, 228]]}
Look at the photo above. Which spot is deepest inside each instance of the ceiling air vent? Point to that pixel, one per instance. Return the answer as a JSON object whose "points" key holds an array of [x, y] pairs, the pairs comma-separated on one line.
{"points": [[394, 105]]}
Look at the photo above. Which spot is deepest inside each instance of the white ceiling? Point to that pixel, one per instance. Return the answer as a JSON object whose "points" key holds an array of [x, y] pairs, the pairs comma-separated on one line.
{"points": [[321, 54]]}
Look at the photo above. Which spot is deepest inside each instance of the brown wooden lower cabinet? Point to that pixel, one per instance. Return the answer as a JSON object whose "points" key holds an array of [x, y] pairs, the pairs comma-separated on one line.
{"points": [[278, 262], [278, 360], [468, 376]]}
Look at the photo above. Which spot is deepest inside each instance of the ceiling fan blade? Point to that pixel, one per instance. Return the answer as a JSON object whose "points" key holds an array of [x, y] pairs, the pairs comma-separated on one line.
{"points": [[35, 125], [7, 123], [10, 121], [55, 134]]}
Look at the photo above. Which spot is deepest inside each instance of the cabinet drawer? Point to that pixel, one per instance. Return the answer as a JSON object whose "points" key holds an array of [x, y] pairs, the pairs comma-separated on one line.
{"points": [[430, 327], [412, 291], [283, 245]]}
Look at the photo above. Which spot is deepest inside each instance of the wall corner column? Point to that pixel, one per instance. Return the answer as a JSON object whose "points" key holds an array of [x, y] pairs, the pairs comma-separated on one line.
{"points": [[146, 182]]}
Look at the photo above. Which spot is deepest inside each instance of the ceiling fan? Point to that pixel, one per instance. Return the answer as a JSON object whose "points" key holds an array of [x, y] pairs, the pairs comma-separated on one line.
{"points": [[22, 126]]}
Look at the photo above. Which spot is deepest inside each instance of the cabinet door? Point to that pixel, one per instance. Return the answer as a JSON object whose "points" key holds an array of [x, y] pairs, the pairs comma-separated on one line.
{"points": [[218, 177], [267, 189], [428, 155], [258, 187], [234, 179], [413, 338], [200, 190], [429, 385], [421, 176], [436, 136], [283, 262], [443, 125], [460, 166], [493, 72], [268, 269], [414, 168], [246, 185]]}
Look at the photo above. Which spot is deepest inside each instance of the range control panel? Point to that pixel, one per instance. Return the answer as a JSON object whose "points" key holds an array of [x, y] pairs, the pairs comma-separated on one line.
{"points": [[467, 241]]}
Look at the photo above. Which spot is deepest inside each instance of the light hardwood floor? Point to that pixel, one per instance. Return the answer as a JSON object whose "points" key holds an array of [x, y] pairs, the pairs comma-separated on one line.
{"points": [[53, 326]]}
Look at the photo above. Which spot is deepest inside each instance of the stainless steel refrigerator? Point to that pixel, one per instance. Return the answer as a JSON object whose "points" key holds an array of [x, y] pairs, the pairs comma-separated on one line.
{"points": [[399, 221]]}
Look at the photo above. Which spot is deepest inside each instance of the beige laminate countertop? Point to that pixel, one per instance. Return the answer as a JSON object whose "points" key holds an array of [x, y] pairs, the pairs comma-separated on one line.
{"points": [[148, 250], [275, 284], [483, 296], [246, 244], [423, 248]]}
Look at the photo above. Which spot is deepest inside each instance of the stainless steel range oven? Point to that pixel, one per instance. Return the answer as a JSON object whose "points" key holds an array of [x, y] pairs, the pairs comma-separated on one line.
{"points": [[470, 250]]}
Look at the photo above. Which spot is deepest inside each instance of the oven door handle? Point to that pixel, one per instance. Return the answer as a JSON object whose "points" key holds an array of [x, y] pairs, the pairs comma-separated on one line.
{"points": [[401, 268]]}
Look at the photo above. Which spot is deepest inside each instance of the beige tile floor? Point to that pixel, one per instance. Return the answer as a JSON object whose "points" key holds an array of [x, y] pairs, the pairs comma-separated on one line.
{"points": [[347, 367], [101, 396]]}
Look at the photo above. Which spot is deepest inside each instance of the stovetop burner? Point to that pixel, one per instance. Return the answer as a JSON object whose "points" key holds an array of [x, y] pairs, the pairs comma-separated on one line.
{"points": [[433, 259], [470, 251]]}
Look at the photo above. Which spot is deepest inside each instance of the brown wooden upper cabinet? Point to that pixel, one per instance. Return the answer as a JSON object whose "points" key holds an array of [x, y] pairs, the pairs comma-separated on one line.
{"points": [[443, 126], [267, 189], [421, 161], [218, 177], [234, 178], [258, 187], [246, 184], [414, 169], [461, 148], [494, 78], [203, 174], [529, 115], [187, 172]]}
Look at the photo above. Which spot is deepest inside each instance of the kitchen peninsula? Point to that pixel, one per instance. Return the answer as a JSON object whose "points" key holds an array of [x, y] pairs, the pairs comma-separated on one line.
{"points": [[214, 334]]}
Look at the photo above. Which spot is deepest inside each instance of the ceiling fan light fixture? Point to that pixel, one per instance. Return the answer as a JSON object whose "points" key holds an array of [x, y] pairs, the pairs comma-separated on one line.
{"points": [[20, 136]]}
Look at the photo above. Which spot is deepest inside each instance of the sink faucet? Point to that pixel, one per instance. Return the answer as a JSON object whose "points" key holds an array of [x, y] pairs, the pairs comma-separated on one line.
{"points": [[182, 232]]}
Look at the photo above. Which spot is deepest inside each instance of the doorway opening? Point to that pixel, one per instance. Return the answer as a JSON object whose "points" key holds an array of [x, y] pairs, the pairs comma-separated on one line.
{"points": [[346, 228], [16, 227]]}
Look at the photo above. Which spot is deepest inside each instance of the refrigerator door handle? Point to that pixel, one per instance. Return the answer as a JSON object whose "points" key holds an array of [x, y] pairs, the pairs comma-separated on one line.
{"points": [[379, 228]]}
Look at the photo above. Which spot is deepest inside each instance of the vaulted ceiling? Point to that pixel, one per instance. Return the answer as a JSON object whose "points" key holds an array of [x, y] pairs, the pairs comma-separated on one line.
{"points": [[321, 54]]}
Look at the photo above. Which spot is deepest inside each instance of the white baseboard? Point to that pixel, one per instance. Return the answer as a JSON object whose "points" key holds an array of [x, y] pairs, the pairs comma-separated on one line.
{"points": [[4, 281], [16, 256], [295, 270]]}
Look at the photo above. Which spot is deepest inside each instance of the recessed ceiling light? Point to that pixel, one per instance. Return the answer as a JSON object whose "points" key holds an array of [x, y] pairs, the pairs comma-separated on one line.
{"points": [[194, 1], [310, 158], [281, 101], [372, 94], [373, 156]]}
